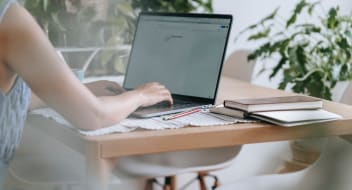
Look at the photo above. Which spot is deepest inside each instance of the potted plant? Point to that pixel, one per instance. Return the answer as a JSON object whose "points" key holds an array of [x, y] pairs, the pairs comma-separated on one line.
{"points": [[313, 55]]}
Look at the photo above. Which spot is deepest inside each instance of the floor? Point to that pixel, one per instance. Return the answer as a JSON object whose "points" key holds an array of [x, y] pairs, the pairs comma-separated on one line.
{"points": [[254, 159]]}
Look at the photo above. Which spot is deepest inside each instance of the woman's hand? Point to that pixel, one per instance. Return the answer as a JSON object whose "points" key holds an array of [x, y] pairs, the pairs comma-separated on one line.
{"points": [[104, 88], [152, 93]]}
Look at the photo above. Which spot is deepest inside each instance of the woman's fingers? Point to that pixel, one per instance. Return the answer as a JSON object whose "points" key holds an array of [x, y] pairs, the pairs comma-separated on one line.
{"points": [[152, 93]]}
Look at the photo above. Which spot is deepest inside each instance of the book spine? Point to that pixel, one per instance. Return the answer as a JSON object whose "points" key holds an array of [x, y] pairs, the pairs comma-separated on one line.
{"points": [[231, 105]]}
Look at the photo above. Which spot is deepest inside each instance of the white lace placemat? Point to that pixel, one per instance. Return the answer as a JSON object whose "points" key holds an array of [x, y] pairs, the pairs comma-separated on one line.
{"points": [[51, 114], [155, 123]]}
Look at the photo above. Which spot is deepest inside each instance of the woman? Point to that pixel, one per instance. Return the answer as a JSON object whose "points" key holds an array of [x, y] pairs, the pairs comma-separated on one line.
{"points": [[28, 58]]}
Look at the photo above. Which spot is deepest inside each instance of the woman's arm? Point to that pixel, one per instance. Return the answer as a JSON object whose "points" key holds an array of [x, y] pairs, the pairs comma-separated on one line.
{"points": [[98, 88], [26, 50]]}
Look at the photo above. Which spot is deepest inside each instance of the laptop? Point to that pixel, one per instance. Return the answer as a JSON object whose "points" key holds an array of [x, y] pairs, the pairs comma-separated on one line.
{"points": [[184, 52]]}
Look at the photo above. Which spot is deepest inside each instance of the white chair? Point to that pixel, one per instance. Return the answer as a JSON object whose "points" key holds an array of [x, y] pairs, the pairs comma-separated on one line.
{"points": [[170, 164], [347, 95], [347, 99], [237, 66], [331, 171]]}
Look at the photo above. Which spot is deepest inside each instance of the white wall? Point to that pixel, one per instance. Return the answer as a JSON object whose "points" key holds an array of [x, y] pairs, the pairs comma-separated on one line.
{"points": [[247, 12]]}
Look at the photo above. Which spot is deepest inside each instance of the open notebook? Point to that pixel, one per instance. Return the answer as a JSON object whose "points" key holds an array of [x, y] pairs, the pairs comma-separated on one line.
{"points": [[290, 118]]}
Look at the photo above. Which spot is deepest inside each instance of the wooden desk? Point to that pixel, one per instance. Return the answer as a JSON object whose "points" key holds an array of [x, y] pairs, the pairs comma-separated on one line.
{"points": [[102, 151]]}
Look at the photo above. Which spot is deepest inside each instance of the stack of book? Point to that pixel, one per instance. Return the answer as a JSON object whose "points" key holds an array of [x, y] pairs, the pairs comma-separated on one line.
{"points": [[285, 111]]}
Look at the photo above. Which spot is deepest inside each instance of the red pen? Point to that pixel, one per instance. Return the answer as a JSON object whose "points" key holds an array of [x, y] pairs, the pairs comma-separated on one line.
{"points": [[181, 114]]}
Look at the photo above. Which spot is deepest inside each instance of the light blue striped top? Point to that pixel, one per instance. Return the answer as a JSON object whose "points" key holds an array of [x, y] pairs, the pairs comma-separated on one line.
{"points": [[13, 109]]}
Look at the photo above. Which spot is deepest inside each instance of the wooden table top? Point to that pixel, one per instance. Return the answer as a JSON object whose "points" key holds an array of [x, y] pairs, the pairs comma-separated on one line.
{"points": [[145, 141]]}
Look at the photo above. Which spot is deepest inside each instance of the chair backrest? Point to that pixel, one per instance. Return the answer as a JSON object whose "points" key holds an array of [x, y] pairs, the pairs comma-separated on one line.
{"points": [[174, 163], [347, 99], [237, 66], [347, 95]]}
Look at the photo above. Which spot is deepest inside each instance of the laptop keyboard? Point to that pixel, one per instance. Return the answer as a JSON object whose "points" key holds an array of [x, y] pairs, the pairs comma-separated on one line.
{"points": [[177, 105], [164, 108]]}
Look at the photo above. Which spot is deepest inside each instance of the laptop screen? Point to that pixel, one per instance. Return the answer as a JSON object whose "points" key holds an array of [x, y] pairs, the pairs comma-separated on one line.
{"points": [[184, 52]]}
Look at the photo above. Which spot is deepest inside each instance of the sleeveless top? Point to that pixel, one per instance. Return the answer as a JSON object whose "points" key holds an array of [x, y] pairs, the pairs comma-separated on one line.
{"points": [[13, 109]]}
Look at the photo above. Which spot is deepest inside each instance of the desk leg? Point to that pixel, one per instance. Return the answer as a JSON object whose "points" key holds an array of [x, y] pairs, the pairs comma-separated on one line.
{"points": [[98, 169]]}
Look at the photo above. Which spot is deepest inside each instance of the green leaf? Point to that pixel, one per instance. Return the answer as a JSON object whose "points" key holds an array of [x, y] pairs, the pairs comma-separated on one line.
{"points": [[301, 58], [261, 71], [312, 6], [300, 6], [282, 85], [271, 16], [261, 51], [252, 26], [296, 12], [252, 56], [332, 21], [279, 66], [291, 21], [327, 93], [286, 79], [308, 28], [343, 71], [260, 35], [343, 43], [299, 88], [292, 56], [284, 47], [280, 47], [261, 23]]}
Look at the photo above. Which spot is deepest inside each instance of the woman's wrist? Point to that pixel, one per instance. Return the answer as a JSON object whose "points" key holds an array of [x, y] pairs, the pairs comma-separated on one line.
{"points": [[139, 96]]}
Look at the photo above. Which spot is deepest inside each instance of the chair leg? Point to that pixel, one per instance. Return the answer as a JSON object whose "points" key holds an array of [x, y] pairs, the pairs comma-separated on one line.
{"points": [[170, 183], [149, 184], [201, 179], [216, 182]]}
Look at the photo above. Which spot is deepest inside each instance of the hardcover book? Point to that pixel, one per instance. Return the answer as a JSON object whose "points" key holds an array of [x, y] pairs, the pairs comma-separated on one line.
{"points": [[274, 103], [229, 111]]}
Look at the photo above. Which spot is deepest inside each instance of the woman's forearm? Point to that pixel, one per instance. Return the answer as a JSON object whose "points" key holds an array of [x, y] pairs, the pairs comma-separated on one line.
{"points": [[98, 88], [116, 108]]}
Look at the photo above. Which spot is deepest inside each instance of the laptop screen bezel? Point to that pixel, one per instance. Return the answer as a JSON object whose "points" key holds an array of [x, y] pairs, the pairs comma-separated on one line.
{"points": [[189, 15]]}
